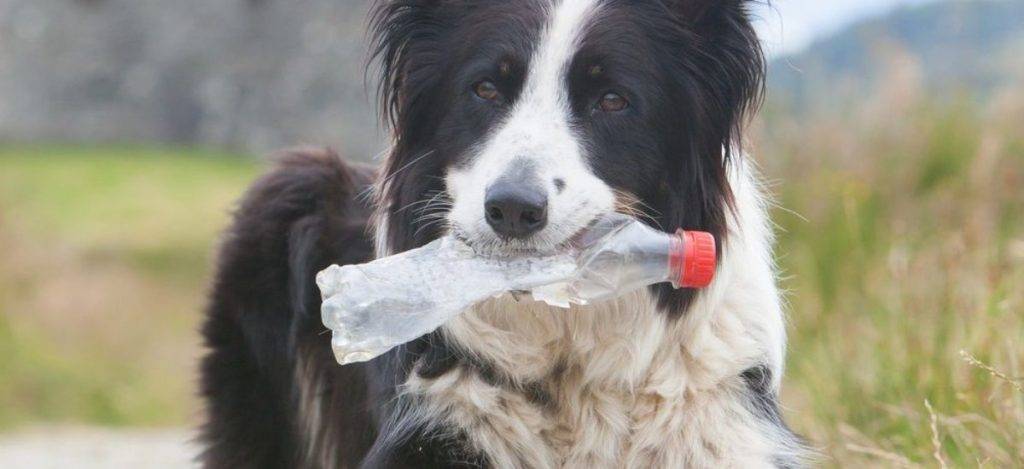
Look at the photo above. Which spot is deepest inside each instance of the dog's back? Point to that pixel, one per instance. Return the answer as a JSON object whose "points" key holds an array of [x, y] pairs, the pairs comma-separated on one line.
{"points": [[269, 357]]}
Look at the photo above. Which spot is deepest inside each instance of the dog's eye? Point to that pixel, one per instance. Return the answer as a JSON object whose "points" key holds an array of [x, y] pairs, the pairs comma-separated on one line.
{"points": [[487, 90], [612, 102]]}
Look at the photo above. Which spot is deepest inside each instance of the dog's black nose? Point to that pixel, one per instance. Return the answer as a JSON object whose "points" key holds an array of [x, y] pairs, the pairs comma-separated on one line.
{"points": [[516, 210]]}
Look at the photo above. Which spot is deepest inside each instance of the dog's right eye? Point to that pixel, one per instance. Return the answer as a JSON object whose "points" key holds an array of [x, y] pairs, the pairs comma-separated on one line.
{"points": [[612, 102], [487, 90]]}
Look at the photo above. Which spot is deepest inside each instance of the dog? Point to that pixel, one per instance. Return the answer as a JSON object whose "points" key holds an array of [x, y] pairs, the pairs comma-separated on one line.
{"points": [[516, 123]]}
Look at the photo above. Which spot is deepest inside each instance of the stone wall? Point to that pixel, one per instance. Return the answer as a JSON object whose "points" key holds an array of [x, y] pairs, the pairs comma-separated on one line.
{"points": [[253, 75]]}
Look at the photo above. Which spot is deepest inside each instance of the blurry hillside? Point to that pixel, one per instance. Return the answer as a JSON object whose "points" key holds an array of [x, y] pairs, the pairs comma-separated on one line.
{"points": [[956, 48], [253, 75]]}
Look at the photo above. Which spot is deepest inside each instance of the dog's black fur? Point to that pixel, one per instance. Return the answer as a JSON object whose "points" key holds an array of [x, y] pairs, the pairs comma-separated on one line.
{"points": [[263, 328], [264, 314]]}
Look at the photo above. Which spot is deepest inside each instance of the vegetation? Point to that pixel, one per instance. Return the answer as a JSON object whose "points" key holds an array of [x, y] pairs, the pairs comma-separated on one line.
{"points": [[902, 248], [106, 253]]}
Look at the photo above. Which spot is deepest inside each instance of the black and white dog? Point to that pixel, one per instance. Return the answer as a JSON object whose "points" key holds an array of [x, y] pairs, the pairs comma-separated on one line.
{"points": [[516, 124]]}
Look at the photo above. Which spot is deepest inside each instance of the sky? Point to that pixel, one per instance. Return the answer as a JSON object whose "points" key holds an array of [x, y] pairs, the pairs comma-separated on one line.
{"points": [[790, 25]]}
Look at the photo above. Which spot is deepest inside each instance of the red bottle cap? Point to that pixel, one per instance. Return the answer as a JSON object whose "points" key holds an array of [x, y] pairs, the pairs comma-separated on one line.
{"points": [[695, 260]]}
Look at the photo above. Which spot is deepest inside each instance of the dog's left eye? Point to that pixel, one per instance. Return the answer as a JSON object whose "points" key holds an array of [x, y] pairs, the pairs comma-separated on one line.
{"points": [[612, 102], [487, 90]]}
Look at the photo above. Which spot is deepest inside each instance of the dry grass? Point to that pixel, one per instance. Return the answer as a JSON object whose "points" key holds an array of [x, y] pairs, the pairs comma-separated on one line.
{"points": [[907, 249]]}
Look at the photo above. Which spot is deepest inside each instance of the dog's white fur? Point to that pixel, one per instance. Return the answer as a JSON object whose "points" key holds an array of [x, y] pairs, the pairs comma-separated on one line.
{"points": [[630, 388]]}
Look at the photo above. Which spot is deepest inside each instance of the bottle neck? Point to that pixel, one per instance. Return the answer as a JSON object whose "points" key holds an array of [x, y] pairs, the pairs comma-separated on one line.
{"points": [[676, 259]]}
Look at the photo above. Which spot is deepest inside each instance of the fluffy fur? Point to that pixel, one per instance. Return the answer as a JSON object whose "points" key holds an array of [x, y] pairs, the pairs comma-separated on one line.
{"points": [[658, 378]]}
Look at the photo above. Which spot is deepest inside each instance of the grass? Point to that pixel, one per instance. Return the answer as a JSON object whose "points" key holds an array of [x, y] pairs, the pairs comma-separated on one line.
{"points": [[901, 245], [106, 256], [903, 250]]}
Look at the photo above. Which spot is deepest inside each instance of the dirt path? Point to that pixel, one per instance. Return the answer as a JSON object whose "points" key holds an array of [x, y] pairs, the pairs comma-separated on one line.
{"points": [[89, 448]]}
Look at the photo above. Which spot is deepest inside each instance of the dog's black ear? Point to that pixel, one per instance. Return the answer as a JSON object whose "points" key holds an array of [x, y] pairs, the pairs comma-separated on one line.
{"points": [[730, 49], [726, 66], [729, 46], [401, 33], [407, 38]]}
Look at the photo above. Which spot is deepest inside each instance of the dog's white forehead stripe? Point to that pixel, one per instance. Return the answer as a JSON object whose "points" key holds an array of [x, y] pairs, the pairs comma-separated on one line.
{"points": [[558, 44], [537, 127], [539, 121]]}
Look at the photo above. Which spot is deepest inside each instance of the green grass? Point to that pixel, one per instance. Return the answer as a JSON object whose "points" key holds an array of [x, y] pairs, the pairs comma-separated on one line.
{"points": [[106, 257]]}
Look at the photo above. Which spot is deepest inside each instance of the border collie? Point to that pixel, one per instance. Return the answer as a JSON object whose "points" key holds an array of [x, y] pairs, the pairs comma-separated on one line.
{"points": [[516, 123]]}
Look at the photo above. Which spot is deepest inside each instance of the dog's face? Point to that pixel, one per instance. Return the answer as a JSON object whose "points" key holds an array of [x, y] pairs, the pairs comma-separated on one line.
{"points": [[519, 122]]}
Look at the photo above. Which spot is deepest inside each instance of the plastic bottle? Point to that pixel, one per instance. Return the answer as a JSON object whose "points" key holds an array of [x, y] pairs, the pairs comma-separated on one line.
{"points": [[374, 307]]}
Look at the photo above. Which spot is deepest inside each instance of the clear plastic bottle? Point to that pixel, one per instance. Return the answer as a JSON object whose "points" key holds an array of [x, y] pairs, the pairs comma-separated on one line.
{"points": [[374, 307]]}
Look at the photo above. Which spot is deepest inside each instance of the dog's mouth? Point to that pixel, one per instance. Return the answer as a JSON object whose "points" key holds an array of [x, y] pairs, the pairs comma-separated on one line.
{"points": [[498, 248], [493, 246]]}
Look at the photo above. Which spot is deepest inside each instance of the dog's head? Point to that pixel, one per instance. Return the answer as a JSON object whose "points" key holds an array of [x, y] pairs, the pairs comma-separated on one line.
{"points": [[519, 122]]}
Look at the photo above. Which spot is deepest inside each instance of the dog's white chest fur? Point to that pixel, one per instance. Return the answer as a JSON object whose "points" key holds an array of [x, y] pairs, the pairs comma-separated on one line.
{"points": [[623, 384]]}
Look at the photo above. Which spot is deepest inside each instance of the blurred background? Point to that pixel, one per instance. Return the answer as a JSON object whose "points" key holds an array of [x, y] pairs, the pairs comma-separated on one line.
{"points": [[893, 138]]}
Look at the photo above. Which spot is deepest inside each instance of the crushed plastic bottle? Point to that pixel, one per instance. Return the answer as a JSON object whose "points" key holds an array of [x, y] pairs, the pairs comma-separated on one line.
{"points": [[372, 308]]}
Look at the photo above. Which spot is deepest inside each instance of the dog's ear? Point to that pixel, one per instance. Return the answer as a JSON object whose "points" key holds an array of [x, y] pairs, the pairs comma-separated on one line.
{"points": [[405, 44], [401, 31], [728, 66]]}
